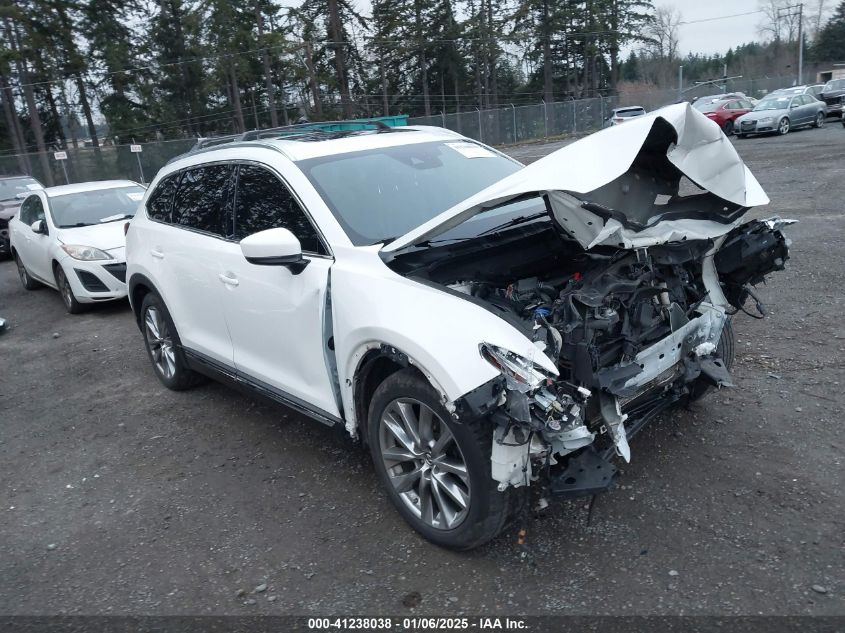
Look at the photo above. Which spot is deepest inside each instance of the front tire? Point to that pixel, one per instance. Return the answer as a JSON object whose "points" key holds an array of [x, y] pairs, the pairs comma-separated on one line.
{"points": [[726, 348], [164, 347], [436, 471], [783, 126], [820, 120], [26, 279], [71, 304]]}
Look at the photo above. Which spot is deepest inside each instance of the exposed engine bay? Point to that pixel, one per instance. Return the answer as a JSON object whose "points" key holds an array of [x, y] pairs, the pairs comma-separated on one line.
{"points": [[623, 266], [630, 332]]}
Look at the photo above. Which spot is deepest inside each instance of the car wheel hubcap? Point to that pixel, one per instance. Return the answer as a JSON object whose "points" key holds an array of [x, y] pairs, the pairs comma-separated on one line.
{"points": [[784, 126], [160, 342], [424, 463], [820, 119]]}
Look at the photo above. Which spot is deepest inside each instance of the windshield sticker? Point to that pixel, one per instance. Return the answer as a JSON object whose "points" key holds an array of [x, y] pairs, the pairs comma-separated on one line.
{"points": [[136, 196], [471, 150]]}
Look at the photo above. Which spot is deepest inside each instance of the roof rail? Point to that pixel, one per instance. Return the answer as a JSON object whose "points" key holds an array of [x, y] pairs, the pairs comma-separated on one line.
{"points": [[293, 130]]}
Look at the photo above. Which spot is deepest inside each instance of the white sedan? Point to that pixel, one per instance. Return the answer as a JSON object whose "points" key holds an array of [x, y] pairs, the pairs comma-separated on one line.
{"points": [[71, 238]]}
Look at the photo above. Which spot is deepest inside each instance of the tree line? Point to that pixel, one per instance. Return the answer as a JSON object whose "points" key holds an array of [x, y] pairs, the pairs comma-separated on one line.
{"points": [[72, 71]]}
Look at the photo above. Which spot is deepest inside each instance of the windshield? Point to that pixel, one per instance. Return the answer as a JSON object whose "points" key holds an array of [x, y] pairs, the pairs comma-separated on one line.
{"points": [[380, 194], [834, 84], [10, 187], [95, 207], [776, 103]]}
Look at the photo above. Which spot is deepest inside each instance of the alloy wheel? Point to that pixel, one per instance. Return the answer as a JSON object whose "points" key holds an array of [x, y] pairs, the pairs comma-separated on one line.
{"points": [[160, 342], [424, 463], [22, 272], [783, 126], [64, 287], [820, 119]]}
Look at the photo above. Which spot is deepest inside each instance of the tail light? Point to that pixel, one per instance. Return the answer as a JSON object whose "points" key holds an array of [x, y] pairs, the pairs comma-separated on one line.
{"points": [[617, 120], [126, 229]]}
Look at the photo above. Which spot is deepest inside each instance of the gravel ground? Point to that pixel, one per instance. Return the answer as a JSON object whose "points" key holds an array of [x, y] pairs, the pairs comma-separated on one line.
{"points": [[119, 496]]}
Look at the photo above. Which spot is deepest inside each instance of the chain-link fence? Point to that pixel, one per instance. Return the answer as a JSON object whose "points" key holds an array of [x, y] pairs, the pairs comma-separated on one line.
{"points": [[505, 125]]}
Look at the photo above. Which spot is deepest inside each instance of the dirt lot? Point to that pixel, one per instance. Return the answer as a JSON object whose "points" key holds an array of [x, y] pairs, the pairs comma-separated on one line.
{"points": [[117, 496]]}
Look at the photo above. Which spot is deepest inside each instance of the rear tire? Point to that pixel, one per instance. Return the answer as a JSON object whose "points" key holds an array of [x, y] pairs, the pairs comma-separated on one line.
{"points": [[412, 469], [728, 128], [26, 280], [71, 304], [164, 347]]}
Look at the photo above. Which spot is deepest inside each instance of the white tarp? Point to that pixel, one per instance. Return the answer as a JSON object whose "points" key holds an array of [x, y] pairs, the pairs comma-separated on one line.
{"points": [[702, 153]]}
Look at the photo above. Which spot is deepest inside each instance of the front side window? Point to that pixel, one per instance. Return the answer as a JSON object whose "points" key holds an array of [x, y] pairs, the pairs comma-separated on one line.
{"points": [[32, 209], [98, 206], [160, 202], [203, 201], [264, 202]]}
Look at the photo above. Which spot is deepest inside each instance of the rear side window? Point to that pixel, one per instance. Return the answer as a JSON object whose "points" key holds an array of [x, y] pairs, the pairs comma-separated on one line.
{"points": [[160, 202], [203, 201], [264, 202]]}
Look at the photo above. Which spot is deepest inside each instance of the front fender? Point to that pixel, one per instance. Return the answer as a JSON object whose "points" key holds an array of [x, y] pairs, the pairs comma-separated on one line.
{"points": [[439, 333]]}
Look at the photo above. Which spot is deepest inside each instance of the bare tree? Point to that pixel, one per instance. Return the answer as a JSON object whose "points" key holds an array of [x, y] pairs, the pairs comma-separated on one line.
{"points": [[780, 21], [662, 31], [816, 15]]}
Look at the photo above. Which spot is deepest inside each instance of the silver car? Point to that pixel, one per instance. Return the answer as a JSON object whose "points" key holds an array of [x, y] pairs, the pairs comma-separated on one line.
{"points": [[780, 114]]}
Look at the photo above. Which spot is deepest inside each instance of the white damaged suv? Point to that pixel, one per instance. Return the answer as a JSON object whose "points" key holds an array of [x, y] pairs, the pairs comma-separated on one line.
{"points": [[481, 325]]}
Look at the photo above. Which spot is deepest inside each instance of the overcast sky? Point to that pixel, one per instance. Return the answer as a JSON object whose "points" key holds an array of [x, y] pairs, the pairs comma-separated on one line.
{"points": [[715, 36]]}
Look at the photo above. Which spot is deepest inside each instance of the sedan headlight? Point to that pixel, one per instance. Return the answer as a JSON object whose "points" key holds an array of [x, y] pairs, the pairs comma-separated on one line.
{"points": [[85, 253], [765, 119], [520, 373]]}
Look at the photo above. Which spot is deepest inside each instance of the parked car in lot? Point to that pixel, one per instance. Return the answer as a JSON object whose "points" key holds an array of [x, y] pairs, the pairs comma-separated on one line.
{"points": [[725, 112], [833, 96], [620, 115], [780, 114], [71, 238], [481, 325], [814, 90], [12, 191], [701, 102]]}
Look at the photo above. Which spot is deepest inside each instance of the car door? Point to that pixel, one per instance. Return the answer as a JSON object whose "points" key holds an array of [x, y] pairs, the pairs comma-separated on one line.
{"points": [[801, 114], [277, 317], [34, 248], [184, 248]]}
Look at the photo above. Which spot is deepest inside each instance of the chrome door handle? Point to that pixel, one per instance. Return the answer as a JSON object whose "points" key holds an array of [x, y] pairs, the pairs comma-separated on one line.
{"points": [[157, 254], [229, 281]]}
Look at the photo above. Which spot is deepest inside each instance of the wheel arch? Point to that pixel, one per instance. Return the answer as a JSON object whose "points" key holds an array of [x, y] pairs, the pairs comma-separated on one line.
{"points": [[138, 287], [377, 361]]}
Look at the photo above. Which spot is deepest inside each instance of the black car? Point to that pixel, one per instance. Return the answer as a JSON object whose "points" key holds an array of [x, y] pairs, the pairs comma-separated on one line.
{"points": [[833, 96], [10, 188]]}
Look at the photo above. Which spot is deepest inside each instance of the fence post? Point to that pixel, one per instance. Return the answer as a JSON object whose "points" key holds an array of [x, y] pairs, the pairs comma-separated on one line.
{"points": [[480, 131], [514, 122], [574, 116], [545, 120], [443, 117]]}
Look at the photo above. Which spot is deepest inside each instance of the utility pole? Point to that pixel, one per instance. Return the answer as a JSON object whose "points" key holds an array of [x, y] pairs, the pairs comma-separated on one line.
{"points": [[681, 82], [792, 11]]}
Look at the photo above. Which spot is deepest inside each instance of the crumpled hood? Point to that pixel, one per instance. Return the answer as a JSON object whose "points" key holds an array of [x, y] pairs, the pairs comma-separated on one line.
{"points": [[620, 186], [106, 236]]}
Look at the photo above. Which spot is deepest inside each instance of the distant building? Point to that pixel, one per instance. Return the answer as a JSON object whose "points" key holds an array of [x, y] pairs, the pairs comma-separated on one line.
{"points": [[824, 76]]}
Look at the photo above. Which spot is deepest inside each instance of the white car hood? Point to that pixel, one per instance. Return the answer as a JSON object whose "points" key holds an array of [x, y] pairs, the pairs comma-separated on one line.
{"points": [[620, 165], [106, 236]]}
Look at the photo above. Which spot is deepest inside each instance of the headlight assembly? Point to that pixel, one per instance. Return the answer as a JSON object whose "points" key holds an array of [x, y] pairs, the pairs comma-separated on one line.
{"points": [[85, 253], [766, 119], [520, 373]]}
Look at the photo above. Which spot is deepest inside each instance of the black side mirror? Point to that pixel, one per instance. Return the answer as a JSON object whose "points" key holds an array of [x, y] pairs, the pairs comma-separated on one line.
{"points": [[39, 227]]}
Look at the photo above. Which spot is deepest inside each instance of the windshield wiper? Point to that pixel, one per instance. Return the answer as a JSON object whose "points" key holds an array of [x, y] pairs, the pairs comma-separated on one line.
{"points": [[116, 218]]}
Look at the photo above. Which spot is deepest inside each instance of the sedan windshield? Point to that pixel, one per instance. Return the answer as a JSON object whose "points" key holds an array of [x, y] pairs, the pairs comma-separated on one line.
{"points": [[776, 103], [707, 106], [380, 194], [11, 187], [95, 207]]}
